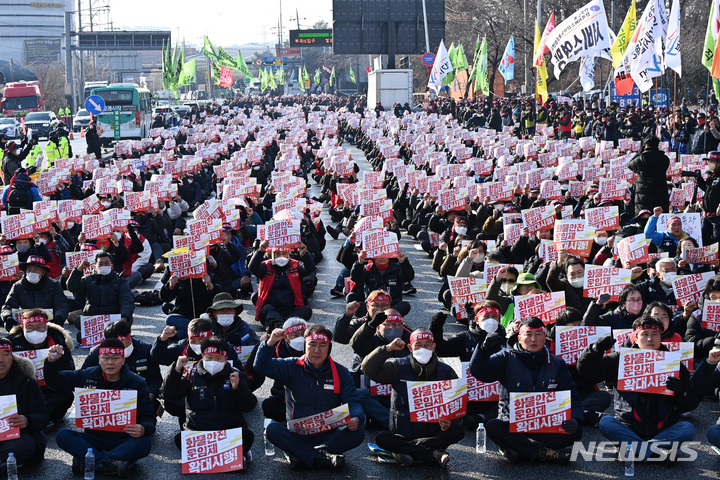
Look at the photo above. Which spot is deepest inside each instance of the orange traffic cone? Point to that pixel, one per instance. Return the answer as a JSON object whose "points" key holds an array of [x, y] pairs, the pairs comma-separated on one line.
{"points": [[82, 132], [72, 137]]}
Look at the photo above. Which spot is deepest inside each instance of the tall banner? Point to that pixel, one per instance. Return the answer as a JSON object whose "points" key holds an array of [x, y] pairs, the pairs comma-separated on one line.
{"points": [[587, 73], [507, 64], [440, 69], [541, 81], [623, 37], [672, 42], [583, 33], [641, 59], [540, 42], [226, 78]]}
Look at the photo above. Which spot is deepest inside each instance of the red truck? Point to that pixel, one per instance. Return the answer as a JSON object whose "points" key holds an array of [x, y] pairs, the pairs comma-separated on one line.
{"points": [[21, 98]]}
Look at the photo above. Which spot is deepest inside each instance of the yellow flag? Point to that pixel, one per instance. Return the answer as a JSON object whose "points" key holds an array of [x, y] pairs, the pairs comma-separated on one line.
{"points": [[541, 82], [623, 37]]}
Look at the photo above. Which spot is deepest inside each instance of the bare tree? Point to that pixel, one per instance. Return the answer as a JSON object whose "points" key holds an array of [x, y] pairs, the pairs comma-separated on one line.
{"points": [[52, 82]]}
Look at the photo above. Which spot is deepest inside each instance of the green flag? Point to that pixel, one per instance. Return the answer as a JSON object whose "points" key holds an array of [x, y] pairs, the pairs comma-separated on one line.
{"points": [[332, 76], [461, 62], [451, 74], [317, 78], [208, 49], [271, 80], [215, 71], [263, 80], [482, 74], [242, 66], [225, 60], [280, 75], [187, 77], [352, 76], [301, 79]]}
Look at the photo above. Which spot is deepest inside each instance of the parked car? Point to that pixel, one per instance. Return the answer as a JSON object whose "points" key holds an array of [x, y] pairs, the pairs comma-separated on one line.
{"points": [[42, 123], [81, 120], [10, 127]]}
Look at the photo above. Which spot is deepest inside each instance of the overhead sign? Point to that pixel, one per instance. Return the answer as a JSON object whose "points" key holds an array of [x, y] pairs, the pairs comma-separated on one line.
{"points": [[287, 52], [42, 50], [95, 104], [311, 38]]}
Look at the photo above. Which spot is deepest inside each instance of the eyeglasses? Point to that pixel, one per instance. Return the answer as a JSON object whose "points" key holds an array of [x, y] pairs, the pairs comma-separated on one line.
{"points": [[111, 359], [508, 280], [380, 305]]}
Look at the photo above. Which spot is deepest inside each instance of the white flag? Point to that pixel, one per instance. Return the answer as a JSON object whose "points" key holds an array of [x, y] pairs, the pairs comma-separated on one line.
{"points": [[587, 73], [672, 43], [640, 58], [583, 33], [441, 67]]}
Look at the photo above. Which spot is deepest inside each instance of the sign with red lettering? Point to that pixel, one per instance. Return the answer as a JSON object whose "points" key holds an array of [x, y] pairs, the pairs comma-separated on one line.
{"points": [[38, 358], [45, 215], [8, 408], [603, 218], [97, 227], [687, 352], [212, 452], [540, 218], [634, 250], [18, 226], [92, 204], [435, 400], [140, 201], [92, 328], [466, 290], [453, 199], [571, 341], [480, 391], [9, 267], [711, 315], [188, 265], [70, 210], [321, 422], [209, 230], [599, 280], [545, 306], [282, 235], [647, 371], [574, 237], [108, 410], [539, 412], [703, 255], [380, 244], [690, 287], [373, 179], [548, 252]]}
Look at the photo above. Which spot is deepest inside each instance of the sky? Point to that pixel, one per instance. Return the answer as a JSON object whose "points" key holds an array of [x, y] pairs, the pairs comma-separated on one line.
{"points": [[224, 22]]}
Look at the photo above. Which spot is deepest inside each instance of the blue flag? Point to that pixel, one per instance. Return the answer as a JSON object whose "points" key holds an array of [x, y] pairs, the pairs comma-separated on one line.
{"points": [[507, 64]]}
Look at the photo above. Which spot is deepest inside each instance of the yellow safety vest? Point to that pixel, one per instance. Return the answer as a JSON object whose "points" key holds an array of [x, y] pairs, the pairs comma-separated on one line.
{"points": [[33, 155], [64, 147], [52, 153]]}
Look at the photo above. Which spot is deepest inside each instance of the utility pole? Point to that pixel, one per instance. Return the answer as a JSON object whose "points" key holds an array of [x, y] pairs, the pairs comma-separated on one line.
{"points": [[525, 50]]}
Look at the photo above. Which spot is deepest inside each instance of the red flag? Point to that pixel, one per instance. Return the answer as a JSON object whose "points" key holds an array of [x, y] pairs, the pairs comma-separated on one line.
{"points": [[715, 71], [624, 84], [226, 78], [368, 69], [542, 48]]}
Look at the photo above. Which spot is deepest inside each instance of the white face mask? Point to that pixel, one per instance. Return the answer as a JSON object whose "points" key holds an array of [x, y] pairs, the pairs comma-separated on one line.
{"points": [[422, 355], [36, 337], [225, 319], [212, 366], [195, 347], [129, 350], [499, 206], [668, 278], [712, 166], [104, 270], [298, 344], [282, 261], [190, 180], [576, 282], [70, 225], [489, 325], [601, 241], [43, 240], [479, 258], [506, 288], [105, 204], [461, 230], [32, 277]]}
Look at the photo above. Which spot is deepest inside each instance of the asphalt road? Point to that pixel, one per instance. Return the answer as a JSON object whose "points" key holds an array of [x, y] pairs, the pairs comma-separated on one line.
{"points": [[164, 461]]}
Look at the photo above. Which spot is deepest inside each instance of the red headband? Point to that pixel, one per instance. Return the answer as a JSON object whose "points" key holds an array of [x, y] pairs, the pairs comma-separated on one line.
{"points": [[203, 334], [87, 248], [317, 336], [394, 318], [421, 336], [488, 310], [524, 328], [6, 346], [34, 319], [295, 328], [214, 350], [112, 351], [122, 339], [36, 260], [640, 328], [4, 250], [382, 298]]}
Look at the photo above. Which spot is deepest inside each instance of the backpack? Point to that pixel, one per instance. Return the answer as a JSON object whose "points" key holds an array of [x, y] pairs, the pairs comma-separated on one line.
{"points": [[20, 196], [148, 298]]}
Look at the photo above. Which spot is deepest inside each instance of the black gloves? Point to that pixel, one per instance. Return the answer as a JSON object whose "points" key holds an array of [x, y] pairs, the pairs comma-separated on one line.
{"points": [[676, 385], [438, 319], [604, 344], [492, 342], [570, 426], [377, 320]]}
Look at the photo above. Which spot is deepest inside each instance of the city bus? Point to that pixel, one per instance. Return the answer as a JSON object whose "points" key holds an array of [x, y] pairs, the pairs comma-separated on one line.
{"points": [[134, 105]]}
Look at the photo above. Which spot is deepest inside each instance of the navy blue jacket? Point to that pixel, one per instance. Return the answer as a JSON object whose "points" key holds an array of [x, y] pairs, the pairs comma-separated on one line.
{"points": [[308, 391], [93, 378]]}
